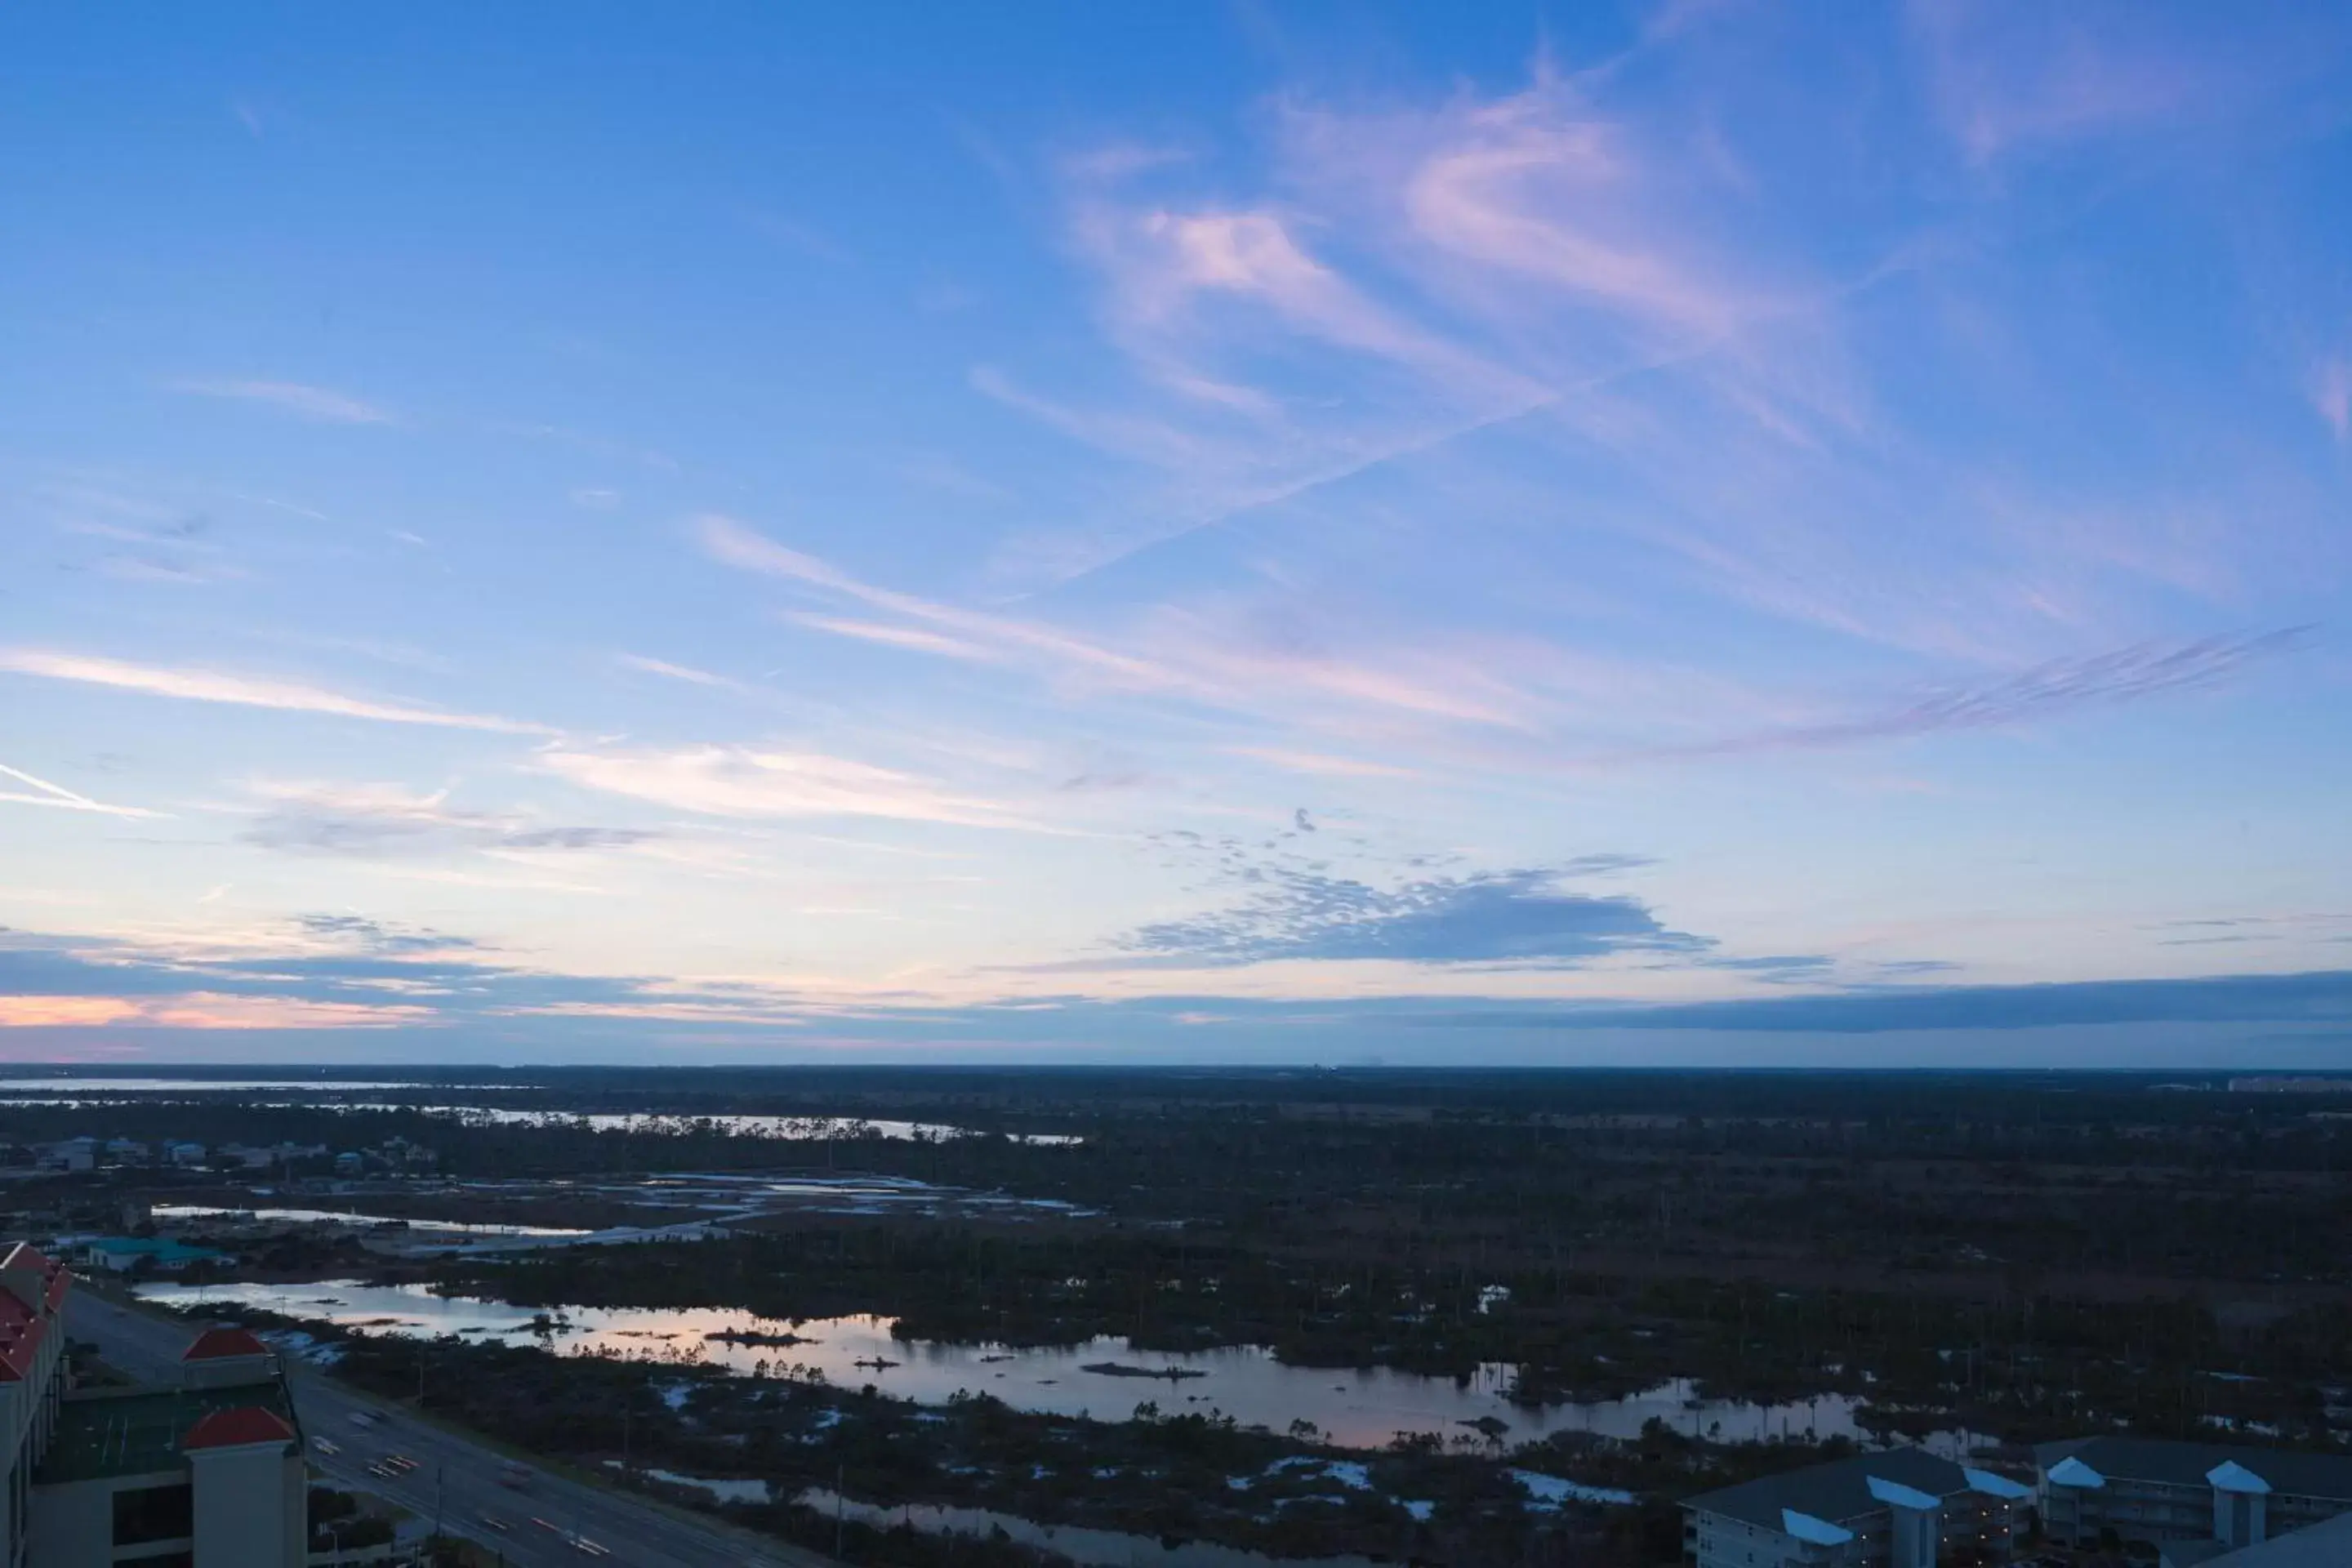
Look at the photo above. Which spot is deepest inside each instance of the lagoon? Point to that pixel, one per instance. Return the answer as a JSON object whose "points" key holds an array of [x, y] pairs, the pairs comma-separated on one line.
{"points": [[1358, 1408]]}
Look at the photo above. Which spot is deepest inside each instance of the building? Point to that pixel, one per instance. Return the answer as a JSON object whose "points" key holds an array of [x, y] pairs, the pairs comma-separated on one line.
{"points": [[204, 1473], [1905, 1507], [2325, 1545], [119, 1254], [32, 1367], [2156, 1491]]}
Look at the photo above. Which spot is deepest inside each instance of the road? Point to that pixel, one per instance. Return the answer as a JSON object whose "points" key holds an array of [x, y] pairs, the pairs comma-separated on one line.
{"points": [[455, 1478]]}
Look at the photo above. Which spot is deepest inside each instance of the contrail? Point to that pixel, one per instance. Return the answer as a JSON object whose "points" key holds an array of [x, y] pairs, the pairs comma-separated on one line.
{"points": [[63, 798]]}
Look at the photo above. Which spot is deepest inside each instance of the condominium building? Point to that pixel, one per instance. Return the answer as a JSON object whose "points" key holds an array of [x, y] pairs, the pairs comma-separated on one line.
{"points": [[2327, 1545], [205, 1472], [2156, 1492], [32, 1367], [1905, 1507]]}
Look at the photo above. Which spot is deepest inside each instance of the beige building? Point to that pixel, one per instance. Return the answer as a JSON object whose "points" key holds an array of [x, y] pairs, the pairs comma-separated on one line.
{"points": [[205, 1473]]}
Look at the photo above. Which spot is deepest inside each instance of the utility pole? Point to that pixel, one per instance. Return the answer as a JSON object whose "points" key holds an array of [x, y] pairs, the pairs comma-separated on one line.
{"points": [[438, 1471], [840, 1474]]}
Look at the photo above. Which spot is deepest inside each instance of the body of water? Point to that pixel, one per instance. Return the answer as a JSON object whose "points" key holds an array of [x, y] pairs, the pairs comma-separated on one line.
{"points": [[795, 1128], [101, 1086], [336, 1216], [1354, 1409], [804, 1129]]}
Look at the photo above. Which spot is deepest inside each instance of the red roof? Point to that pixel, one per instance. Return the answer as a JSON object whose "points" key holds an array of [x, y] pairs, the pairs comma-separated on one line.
{"points": [[24, 1255], [23, 1326], [220, 1344], [237, 1428]]}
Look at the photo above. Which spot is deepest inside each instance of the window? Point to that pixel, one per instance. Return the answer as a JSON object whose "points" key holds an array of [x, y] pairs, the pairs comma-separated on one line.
{"points": [[154, 1513]]}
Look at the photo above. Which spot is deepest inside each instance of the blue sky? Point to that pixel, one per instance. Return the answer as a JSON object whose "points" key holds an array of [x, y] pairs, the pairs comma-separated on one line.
{"points": [[1702, 531]]}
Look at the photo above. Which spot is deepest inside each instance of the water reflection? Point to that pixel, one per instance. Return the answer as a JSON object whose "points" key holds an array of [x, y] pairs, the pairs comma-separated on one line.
{"points": [[805, 1128], [1354, 1409], [337, 1216], [101, 1086]]}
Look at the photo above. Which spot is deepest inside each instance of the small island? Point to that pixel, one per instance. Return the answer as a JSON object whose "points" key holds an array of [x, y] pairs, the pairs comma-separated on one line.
{"points": [[1120, 1369], [758, 1337]]}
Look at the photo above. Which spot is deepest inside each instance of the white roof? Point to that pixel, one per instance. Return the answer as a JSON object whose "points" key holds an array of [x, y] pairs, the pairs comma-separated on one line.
{"points": [[2071, 1471], [1991, 1485], [1819, 1531], [1896, 1495], [2230, 1476]]}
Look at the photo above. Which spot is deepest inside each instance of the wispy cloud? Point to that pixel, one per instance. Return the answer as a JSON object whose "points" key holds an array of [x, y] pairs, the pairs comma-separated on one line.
{"points": [[1187, 657], [212, 686], [320, 404], [205, 1010], [2051, 690], [730, 542], [913, 639], [386, 821], [685, 672], [2011, 76], [2331, 395], [61, 799], [748, 782], [1323, 763]]}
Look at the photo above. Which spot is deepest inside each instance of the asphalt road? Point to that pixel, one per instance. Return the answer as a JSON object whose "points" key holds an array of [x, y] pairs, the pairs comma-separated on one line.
{"points": [[454, 1479]]}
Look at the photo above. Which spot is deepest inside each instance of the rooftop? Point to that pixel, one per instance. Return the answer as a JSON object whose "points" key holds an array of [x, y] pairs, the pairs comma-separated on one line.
{"points": [[220, 1344], [2327, 1545], [24, 1320], [147, 1432], [245, 1425], [1839, 1490], [2172, 1463]]}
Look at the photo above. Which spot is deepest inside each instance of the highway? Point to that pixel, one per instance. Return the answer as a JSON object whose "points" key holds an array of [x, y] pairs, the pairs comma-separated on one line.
{"points": [[454, 1479]]}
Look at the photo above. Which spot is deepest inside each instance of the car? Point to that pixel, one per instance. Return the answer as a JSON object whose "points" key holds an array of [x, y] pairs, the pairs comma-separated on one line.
{"points": [[325, 1446], [495, 1522]]}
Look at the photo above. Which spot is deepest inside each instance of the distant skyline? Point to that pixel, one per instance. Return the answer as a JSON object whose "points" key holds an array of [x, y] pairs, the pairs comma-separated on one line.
{"points": [[1698, 532]]}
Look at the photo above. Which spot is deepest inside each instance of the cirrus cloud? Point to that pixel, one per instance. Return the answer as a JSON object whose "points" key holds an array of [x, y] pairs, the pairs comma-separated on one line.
{"points": [[756, 782], [317, 404], [245, 691]]}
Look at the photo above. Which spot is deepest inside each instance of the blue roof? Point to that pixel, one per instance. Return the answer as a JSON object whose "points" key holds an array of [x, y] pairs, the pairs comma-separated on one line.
{"points": [[1991, 1485], [1819, 1531], [1894, 1494], [2230, 1476], [2072, 1472]]}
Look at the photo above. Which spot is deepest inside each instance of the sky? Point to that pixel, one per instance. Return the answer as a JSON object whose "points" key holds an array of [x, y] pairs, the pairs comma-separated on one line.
{"points": [[1692, 533]]}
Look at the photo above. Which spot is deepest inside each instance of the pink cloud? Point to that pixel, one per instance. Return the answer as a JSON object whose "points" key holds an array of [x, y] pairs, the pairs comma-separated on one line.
{"points": [[203, 1010], [2011, 76], [2331, 395]]}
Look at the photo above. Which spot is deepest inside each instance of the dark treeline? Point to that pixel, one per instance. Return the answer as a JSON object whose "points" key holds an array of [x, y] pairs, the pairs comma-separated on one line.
{"points": [[2028, 1256]]}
